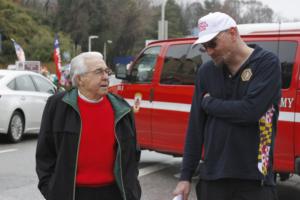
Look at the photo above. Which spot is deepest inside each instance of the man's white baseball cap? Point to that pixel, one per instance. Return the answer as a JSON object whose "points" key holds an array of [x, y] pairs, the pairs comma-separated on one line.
{"points": [[210, 25]]}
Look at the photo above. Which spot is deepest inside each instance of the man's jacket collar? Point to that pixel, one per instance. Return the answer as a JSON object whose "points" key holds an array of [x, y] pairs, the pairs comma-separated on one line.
{"points": [[119, 105]]}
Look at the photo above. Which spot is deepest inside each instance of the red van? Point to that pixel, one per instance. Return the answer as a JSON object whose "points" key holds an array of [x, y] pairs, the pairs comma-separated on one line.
{"points": [[160, 83]]}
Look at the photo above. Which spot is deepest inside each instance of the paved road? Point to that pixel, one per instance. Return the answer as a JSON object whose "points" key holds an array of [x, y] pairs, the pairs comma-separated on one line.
{"points": [[158, 175]]}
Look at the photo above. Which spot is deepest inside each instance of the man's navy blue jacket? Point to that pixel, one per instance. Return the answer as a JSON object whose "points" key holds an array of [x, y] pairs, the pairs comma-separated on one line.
{"points": [[233, 123]]}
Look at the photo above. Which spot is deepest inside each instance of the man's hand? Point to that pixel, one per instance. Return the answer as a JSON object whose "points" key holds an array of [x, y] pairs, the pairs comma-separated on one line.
{"points": [[184, 188], [206, 95]]}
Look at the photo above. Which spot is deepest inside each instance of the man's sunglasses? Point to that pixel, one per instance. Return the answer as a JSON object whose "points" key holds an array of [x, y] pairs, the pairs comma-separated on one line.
{"points": [[212, 43]]}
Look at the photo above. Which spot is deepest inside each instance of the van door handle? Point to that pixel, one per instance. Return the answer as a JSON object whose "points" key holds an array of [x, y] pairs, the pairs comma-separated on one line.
{"points": [[151, 95]]}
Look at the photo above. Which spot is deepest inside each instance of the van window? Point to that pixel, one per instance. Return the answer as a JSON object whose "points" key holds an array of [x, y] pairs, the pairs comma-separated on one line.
{"points": [[142, 70], [286, 54], [181, 63]]}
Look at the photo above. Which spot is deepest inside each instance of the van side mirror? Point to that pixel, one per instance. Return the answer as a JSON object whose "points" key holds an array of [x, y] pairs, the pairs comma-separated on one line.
{"points": [[121, 72]]}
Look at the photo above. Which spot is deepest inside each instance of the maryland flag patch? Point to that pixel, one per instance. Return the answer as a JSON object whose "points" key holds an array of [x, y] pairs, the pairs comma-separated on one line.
{"points": [[265, 129]]}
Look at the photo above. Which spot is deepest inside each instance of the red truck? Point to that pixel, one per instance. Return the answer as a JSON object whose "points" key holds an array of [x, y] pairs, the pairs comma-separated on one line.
{"points": [[160, 83]]}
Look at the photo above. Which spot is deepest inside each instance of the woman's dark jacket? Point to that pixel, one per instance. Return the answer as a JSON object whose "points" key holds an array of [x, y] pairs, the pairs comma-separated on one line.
{"points": [[58, 142]]}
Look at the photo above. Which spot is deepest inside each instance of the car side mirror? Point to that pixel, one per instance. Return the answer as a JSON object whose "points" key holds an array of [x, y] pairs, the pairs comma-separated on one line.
{"points": [[121, 72]]}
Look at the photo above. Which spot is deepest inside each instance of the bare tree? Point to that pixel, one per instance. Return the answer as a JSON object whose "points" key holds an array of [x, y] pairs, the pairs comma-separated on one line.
{"points": [[212, 6], [256, 12], [192, 13], [233, 8]]}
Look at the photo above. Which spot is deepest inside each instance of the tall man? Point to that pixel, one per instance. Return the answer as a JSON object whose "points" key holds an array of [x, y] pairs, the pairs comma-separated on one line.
{"points": [[233, 116], [87, 146]]}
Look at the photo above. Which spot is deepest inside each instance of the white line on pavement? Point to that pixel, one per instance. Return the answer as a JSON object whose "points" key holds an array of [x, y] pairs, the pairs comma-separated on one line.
{"points": [[151, 169], [8, 150]]}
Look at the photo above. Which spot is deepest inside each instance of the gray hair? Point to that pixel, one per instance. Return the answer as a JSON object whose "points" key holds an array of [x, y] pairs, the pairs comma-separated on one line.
{"points": [[78, 64]]}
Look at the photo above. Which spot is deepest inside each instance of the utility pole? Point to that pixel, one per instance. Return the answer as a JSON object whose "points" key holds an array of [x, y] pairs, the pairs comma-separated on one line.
{"points": [[90, 41], [0, 43], [162, 24], [105, 49]]}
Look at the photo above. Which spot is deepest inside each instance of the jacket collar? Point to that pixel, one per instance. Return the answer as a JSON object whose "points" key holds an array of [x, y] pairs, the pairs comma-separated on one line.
{"points": [[256, 54], [71, 98], [119, 105]]}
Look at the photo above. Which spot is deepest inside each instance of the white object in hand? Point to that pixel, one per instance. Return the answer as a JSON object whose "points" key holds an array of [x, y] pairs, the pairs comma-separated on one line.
{"points": [[178, 197]]}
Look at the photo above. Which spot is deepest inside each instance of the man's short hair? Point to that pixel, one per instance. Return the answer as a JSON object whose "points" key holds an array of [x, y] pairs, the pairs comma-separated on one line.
{"points": [[78, 64]]}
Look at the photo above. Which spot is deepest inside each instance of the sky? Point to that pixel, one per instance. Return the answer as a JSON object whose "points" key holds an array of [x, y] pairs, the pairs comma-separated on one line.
{"points": [[289, 9]]}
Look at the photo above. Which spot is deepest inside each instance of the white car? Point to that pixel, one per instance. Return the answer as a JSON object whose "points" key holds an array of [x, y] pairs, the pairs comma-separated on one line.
{"points": [[23, 95]]}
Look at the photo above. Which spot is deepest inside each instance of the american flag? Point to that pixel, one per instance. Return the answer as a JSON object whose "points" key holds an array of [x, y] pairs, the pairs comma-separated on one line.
{"points": [[57, 58], [19, 51]]}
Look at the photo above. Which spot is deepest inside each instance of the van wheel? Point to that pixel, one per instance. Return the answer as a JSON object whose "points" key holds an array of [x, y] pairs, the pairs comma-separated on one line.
{"points": [[275, 176], [16, 127], [284, 176]]}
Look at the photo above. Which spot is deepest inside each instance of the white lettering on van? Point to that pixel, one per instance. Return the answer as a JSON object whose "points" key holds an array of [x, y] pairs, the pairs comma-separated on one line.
{"points": [[286, 102], [120, 87]]}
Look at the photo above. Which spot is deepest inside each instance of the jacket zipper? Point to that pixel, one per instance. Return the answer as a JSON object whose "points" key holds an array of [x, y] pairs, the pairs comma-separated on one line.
{"points": [[74, 183], [74, 186], [120, 160]]}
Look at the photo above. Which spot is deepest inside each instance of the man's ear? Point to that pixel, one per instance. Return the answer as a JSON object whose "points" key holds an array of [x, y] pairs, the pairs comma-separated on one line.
{"points": [[79, 80], [233, 31]]}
